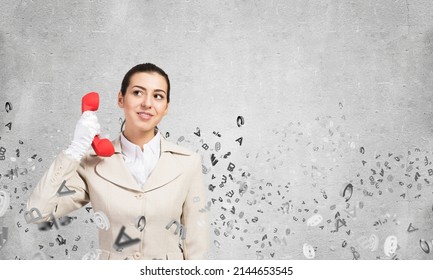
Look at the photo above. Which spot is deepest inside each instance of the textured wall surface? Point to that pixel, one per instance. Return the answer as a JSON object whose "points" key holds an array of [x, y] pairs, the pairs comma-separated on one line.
{"points": [[313, 118]]}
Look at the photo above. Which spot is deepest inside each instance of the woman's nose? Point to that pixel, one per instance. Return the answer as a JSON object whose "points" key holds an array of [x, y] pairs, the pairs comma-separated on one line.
{"points": [[147, 101]]}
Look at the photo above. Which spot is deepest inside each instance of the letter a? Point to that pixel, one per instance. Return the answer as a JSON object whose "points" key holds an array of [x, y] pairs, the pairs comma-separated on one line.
{"points": [[122, 235], [60, 191]]}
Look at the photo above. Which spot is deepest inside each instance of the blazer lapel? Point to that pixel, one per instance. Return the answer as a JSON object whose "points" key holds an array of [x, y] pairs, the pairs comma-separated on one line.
{"points": [[114, 169], [167, 169]]}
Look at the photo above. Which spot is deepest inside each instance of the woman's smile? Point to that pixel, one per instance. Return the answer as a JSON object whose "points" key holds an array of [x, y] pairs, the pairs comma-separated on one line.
{"points": [[145, 115]]}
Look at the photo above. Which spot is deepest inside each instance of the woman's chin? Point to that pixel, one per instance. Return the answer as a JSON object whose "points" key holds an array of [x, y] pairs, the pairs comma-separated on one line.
{"points": [[146, 130]]}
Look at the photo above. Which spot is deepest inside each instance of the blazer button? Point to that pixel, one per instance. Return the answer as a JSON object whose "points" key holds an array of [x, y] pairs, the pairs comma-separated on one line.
{"points": [[137, 255], [139, 196]]}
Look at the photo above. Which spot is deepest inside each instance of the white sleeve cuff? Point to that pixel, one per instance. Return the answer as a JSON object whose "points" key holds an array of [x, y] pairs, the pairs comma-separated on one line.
{"points": [[72, 155]]}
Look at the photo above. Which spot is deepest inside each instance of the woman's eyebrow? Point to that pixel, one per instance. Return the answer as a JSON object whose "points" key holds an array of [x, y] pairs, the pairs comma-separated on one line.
{"points": [[143, 88], [157, 90], [160, 90]]}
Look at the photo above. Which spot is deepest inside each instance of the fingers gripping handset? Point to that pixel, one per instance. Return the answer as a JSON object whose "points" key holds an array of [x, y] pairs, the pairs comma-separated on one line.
{"points": [[103, 147]]}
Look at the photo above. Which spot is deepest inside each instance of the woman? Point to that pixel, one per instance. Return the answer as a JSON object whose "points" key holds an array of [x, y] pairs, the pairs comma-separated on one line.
{"points": [[151, 190]]}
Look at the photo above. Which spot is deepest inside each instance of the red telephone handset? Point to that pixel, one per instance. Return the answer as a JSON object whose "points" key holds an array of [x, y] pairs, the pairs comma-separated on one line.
{"points": [[103, 147]]}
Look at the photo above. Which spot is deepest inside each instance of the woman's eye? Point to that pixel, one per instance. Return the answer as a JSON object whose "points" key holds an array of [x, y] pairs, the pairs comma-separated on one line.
{"points": [[159, 96], [136, 92]]}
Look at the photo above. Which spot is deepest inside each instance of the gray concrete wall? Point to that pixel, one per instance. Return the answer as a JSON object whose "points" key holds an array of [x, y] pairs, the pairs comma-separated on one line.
{"points": [[331, 92]]}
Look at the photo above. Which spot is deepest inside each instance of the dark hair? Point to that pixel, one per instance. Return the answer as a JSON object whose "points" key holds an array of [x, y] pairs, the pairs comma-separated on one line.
{"points": [[147, 68]]}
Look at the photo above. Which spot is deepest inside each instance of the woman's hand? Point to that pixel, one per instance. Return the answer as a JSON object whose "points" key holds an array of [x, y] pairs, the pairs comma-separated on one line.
{"points": [[85, 130]]}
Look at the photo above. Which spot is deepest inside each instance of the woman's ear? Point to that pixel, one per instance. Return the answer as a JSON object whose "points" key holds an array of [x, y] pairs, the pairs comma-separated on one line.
{"points": [[120, 99], [166, 109]]}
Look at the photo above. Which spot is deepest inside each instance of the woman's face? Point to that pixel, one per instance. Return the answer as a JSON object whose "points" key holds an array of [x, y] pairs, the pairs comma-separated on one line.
{"points": [[145, 102]]}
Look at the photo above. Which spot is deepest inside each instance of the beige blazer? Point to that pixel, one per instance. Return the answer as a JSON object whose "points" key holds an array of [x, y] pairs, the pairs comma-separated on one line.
{"points": [[173, 194]]}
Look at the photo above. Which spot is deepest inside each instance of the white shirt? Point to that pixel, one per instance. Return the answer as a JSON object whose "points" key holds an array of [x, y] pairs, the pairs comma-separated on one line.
{"points": [[141, 163]]}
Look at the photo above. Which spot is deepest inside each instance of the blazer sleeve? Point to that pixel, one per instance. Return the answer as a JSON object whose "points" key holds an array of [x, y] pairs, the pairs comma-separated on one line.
{"points": [[45, 197], [195, 217]]}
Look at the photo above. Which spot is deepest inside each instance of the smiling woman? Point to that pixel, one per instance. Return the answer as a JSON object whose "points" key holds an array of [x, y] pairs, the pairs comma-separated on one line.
{"points": [[144, 97], [151, 191]]}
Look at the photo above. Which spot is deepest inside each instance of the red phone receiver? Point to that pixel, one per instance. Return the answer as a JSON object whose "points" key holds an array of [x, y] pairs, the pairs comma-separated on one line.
{"points": [[103, 147]]}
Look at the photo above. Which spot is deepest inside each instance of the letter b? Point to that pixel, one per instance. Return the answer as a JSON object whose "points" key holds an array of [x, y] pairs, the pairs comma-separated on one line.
{"points": [[30, 217]]}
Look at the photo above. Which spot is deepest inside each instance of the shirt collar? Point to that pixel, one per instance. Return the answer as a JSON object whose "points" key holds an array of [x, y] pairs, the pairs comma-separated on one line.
{"points": [[132, 150]]}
